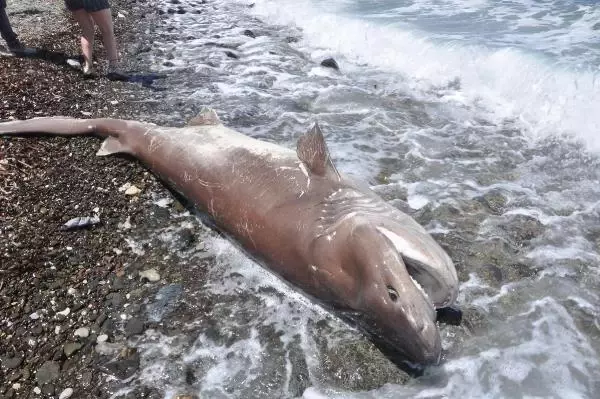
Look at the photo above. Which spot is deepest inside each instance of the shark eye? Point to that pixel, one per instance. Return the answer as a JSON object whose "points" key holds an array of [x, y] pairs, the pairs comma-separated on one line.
{"points": [[392, 293]]}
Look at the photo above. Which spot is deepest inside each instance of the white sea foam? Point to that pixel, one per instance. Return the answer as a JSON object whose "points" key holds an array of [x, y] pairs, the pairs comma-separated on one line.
{"points": [[512, 364], [507, 83]]}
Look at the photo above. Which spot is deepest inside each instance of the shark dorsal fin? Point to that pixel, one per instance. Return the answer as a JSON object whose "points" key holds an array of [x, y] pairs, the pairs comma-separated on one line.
{"points": [[312, 151], [207, 116]]}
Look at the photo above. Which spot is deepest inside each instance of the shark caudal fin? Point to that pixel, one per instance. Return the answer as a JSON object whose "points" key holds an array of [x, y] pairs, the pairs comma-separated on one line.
{"points": [[117, 132], [56, 125]]}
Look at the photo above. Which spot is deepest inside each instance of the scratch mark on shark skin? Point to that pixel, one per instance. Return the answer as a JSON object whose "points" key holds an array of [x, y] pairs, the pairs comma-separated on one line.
{"points": [[153, 145], [211, 208], [208, 184], [305, 171], [244, 228]]}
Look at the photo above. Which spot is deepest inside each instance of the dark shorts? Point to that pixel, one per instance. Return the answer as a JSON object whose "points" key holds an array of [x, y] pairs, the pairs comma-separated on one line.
{"points": [[2, 3], [87, 5]]}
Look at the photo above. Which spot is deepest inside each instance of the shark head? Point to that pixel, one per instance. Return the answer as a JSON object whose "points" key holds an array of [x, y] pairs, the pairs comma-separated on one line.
{"points": [[389, 280]]}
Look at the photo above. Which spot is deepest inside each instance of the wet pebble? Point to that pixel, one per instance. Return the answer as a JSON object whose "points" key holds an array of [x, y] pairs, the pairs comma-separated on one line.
{"points": [[12, 362], [125, 366], [48, 389], [231, 54], [330, 63], [64, 313], [114, 299], [132, 190], [15, 375], [118, 284], [82, 332], [134, 326], [71, 347], [102, 338]]}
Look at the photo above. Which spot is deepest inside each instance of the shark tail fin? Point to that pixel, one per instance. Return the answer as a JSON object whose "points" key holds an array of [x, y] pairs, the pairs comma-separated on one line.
{"points": [[57, 125]]}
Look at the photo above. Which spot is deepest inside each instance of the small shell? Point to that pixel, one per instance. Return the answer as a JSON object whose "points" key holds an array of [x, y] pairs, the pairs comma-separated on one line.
{"points": [[80, 222]]}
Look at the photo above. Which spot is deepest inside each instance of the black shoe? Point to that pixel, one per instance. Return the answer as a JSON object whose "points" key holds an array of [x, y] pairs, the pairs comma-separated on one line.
{"points": [[18, 49]]}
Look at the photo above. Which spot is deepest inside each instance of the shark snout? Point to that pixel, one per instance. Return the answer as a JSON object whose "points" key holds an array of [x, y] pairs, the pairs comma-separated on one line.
{"points": [[408, 327], [404, 315]]}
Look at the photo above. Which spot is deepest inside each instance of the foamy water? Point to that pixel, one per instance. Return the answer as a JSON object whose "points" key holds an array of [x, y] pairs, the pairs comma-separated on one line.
{"points": [[480, 115]]}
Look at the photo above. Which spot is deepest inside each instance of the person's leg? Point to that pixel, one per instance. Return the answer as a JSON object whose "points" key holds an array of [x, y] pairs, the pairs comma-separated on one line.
{"points": [[100, 12], [87, 38], [103, 19], [9, 36]]}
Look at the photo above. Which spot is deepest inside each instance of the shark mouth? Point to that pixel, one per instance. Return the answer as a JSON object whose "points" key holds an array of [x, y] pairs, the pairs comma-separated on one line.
{"points": [[420, 288], [416, 267]]}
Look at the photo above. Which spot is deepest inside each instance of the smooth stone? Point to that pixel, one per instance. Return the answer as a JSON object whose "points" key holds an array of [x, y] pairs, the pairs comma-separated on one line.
{"points": [[132, 190], [125, 367], [48, 389], [12, 362], [82, 332], [66, 393], [71, 347], [102, 338], [134, 326], [49, 371]]}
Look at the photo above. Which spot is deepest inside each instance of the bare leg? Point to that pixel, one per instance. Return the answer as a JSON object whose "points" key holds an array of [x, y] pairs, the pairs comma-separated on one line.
{"points": [[87, 38], [103, 19]]}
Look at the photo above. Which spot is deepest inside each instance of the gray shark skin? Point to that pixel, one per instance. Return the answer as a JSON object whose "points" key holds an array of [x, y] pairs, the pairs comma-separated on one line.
{"points": [[333, 239]]}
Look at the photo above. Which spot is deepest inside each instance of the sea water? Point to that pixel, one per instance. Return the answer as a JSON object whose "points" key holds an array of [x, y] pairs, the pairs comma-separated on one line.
{"points": [[482, 115]]}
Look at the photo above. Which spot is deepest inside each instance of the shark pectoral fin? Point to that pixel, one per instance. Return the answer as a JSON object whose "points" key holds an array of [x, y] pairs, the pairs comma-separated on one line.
{"points": [[110, 146], [312, 151], [207, 116]]}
